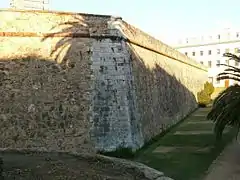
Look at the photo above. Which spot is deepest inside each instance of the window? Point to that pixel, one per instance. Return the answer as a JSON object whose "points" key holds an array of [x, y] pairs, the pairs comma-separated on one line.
{"points": [[193, 53], [237, 50], [209, 52], [186, 53], [201, 62], [236, 63], [217, 81], [219, 36], [226, 62], [186, 40], [209, 64], [201, 53], [218, 63], [237, 34], [210, 79], [227, 50], [218, 51]]}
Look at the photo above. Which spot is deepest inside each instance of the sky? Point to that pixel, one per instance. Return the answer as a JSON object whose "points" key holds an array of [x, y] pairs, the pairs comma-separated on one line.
{"points": [[167, 20]]}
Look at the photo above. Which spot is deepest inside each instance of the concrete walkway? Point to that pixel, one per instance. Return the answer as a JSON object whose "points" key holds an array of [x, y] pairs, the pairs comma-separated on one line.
{"points": [[227, 165]]}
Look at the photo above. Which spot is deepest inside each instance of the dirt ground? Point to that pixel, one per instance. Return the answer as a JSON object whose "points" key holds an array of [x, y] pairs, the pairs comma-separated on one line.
{"points": [[44, 166]]}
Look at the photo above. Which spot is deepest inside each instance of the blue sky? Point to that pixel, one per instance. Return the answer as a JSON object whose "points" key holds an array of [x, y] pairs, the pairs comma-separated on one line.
{"points": [[164, 19]]}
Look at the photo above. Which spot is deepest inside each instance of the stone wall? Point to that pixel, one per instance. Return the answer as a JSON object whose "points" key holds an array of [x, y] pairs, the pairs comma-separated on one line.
{"points": [[72, 82], [165, 89], [147, 88], [46, 80]]}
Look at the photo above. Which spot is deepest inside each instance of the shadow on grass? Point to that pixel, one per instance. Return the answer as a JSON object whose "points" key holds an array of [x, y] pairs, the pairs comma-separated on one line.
{"points": [[185, 165]]}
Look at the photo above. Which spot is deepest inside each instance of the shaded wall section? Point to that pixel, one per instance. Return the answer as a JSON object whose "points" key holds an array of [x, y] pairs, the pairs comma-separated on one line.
{"points": [[115, 124]]}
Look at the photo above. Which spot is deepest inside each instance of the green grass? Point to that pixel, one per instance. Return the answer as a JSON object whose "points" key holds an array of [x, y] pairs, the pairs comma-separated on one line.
{"points": [[198, 127], [197, 118], [185, 164], [181, 165]]}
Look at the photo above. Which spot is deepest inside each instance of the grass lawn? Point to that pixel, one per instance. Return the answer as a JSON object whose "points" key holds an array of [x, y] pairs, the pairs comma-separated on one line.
{"points": [[185, 162], [199, 127]]}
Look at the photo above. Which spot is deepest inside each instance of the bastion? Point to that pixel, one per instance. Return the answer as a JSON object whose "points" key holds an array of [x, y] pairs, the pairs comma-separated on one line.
{"points": [[79, 82]]}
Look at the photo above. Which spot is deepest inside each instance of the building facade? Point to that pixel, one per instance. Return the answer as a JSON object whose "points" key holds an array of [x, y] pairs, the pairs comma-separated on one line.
{"points": [[209, 50], [29, 4]]}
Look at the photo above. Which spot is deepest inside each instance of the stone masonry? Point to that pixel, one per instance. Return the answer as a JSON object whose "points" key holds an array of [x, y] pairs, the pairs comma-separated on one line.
{"points": [[82, 82]]}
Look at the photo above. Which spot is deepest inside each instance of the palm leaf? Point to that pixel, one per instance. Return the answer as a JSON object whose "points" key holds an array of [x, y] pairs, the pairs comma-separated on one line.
{"points": [[225, 110], [229, 66], [228, 77], [232, 56], [226, 106]]}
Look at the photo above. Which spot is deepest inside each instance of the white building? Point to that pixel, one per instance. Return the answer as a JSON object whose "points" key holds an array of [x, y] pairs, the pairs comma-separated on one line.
{"points": [[208, 50], [29, 4]]}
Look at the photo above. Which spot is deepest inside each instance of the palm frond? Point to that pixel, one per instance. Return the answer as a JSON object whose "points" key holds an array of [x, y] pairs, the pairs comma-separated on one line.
{"points": [[225, 110], [226, 106], [232, 56], [228, 77], [229, 66], [230, 73]]}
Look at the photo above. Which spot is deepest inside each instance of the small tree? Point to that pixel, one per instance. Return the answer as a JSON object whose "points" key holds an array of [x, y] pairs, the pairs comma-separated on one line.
{"points": [[209, 88], [204, 96], [226, 106]]}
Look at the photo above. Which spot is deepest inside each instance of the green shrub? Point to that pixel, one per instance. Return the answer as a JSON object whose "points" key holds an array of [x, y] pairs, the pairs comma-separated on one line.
{"points": [[209, 88], [204, 96]]}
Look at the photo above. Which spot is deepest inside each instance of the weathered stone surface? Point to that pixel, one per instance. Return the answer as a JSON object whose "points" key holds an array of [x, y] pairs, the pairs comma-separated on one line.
{"points": [[43, 106], [45, 98], [112, 97], [102, 83]]}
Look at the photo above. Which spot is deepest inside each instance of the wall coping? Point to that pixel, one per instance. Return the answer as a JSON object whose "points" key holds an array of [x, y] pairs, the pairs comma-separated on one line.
{"points": [[133, 34], [53, 12]]}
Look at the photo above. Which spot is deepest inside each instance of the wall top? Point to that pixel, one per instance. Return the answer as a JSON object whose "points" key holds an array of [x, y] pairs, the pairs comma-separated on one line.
{"points": [[53, 12], [144, 40]]}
